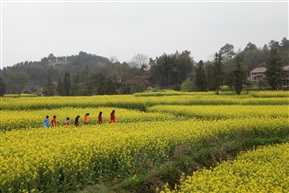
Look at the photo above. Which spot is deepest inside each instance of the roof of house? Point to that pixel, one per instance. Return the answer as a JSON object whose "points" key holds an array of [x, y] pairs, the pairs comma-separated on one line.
{"points": [[258, 70], [263, 69]]}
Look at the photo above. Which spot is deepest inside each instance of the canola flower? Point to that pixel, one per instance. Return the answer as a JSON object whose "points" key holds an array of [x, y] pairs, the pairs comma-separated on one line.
{"points": [[59, 159], [132, 102], [259, 94], [34, 118], [36, 159], [269, 94], [211, 112], [263, 170], [24, 119]]}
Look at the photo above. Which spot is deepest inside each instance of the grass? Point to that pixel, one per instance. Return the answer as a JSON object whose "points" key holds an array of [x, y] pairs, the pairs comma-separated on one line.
{"points": [[184, 161]]}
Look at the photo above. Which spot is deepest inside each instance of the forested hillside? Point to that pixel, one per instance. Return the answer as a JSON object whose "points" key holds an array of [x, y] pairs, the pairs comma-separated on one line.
{"points": [[90, 74]]}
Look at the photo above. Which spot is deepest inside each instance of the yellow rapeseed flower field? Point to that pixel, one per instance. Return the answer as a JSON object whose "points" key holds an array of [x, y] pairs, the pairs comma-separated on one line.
{"points": [[223, 112], [49, 159], [261, 170], [139, 102], [24, 119], [148, 130]]}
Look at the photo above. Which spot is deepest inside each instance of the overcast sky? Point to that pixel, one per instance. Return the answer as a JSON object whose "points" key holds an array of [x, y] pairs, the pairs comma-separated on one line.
{"points": [[32, 30]]}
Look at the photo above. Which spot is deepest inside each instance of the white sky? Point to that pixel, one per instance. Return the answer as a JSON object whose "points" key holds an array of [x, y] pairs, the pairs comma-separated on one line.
{"points": [[32, 30]]}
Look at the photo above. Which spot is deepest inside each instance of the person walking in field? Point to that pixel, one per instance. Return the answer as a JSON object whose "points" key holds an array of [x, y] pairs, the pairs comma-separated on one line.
{"points": [[100, 118], [67, 122], [53, 121], [112, 116], [76, 122], [46, 122], [86, 118]]}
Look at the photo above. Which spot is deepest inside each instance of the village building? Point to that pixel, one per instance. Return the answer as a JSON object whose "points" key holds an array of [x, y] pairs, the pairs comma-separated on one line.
{"points": [[258, 74]]}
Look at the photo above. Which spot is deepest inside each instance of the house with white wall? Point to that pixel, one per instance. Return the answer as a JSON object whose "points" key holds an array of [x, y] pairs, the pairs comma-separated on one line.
{"points": [[258, 74]]}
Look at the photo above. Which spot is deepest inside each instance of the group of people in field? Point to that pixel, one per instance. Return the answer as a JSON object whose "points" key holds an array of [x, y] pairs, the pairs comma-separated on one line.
{"points": [[47, 122]]}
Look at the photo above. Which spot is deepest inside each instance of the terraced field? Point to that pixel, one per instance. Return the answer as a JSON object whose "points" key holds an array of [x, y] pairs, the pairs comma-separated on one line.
{"points": [[151, 131]]}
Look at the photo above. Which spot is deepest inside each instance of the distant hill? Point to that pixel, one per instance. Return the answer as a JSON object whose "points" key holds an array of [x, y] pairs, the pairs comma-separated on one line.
{"points": [[37, 72], [90, 74], [82, 74]]}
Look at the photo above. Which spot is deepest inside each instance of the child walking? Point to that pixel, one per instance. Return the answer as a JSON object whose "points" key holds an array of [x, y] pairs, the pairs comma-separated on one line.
{"points": [[86, 118], [112, 116], [46, 122], [67, 122], [53, 121], [76, 122], [100, 118]]}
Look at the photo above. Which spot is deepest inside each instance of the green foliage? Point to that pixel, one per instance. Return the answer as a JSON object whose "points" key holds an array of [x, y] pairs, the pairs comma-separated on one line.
{"points": [[17, 80], [218, 75], [170, 70], [2, 87], [209, 76], [284, 51], [201, 81], [239, 77], [60, 87], [274, 72], [165, 71], [188, 85], [50, 87], [227, 51], [101, 85], [66, 84]]}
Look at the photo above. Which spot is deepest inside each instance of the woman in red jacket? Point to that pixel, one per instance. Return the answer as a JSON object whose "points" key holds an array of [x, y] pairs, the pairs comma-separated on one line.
{"points": [[100, 117], [53, 121], [112, 116]]}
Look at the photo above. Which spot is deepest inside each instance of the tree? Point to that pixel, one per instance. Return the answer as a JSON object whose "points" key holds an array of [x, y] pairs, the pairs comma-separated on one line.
{"points": [[274, 70], [262, 83], [17, 79], [218, 75], [238, 77], [97, 80], [209, 76], [60, 87], [265, 48], [171, 70], [50, 86], [188, 85], [109, 87], [75, 84], [66, 84], [274, 45], [185, 65], [200, 81], [140, 61], [252, 56], [2, 87], [228, 80], [284, 51], [250, 47], [160, 71], [227, 51], [51, 57]]}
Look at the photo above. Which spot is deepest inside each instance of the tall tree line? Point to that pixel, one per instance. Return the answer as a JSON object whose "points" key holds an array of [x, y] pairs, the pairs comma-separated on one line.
{"points": [[170, 71], [89, 74]]}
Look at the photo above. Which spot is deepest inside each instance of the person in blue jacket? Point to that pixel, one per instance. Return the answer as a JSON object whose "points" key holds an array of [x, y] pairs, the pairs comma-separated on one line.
{"points": [[46, 122]]}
